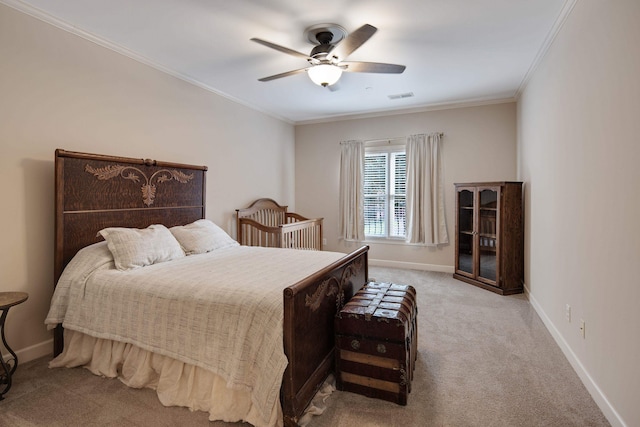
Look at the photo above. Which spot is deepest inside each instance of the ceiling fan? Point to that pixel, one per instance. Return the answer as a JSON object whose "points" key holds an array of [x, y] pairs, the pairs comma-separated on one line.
{"points": [[327, 58]]}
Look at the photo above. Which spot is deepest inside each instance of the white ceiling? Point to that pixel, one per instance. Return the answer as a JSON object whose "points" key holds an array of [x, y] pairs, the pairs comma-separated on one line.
{"points": [[456, 51]]}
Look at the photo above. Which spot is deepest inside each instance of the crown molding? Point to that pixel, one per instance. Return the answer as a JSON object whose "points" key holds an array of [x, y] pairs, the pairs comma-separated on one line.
{"points": [[421, 109], [548, 42]]}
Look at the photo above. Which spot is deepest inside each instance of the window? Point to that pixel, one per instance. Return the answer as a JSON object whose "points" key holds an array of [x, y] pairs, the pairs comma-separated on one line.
{"points": [[374, 202], [385, 175]]}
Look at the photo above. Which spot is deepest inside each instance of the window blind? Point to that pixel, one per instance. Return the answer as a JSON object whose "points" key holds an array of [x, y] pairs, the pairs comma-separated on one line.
{"points": [[385, 194]]}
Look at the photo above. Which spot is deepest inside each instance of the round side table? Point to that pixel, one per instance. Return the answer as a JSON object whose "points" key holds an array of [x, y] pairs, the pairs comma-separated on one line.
{"points": [[8, 300]]}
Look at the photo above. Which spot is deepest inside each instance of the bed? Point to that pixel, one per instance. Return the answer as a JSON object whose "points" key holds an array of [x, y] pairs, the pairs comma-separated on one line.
{"points": [[97, 192], [266, 223]]}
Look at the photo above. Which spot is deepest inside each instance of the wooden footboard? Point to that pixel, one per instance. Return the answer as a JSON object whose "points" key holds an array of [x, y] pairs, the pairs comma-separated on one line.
{"points": [[309, 309]]}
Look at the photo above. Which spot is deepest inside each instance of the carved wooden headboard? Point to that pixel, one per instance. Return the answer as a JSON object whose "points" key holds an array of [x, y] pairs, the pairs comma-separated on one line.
{"points": [[96, 191]]}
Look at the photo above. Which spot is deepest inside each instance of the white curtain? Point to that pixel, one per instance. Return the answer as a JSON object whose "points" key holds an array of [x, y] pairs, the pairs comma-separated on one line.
{"points": [[352, 190], [425, 194]]}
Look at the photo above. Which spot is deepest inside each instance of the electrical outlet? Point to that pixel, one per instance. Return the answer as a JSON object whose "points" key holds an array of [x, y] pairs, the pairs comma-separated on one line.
{"points": [[324, 242], [582, 327], [567, 312]]}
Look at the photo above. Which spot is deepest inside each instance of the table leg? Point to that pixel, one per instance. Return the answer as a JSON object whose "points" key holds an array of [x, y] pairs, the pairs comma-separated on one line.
{"points": [[6, 370]]}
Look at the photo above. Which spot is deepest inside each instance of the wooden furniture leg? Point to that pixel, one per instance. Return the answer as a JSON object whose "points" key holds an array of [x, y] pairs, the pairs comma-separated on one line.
{"points": [[8, 368]]}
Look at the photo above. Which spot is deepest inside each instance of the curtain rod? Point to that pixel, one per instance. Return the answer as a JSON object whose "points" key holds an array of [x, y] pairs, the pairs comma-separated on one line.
{"points": [[370, 141], [395, 138]]}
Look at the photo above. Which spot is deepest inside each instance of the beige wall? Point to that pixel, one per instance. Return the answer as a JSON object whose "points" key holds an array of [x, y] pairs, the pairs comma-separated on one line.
{"points": [[58, 90], [479, 145], [579, 121]]}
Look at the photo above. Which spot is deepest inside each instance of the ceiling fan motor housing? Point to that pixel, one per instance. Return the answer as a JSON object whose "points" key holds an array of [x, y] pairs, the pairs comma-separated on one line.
{"points": [[325, 40], [320, 52]]}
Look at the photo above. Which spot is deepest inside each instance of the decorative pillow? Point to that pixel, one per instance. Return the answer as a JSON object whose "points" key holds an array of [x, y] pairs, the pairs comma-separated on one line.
{"points": [[135, 248], [202, 236]]}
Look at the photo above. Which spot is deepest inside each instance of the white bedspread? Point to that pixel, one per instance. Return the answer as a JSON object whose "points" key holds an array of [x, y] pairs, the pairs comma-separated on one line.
{"points": [[222, 311]]}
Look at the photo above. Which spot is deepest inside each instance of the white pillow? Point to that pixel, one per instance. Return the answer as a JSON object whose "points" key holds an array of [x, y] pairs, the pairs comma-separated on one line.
{"points": [[135, 248], [202, 236]]}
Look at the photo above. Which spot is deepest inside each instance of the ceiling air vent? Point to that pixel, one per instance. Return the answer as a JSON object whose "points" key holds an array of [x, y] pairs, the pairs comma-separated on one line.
{"points": [[401, 95]]}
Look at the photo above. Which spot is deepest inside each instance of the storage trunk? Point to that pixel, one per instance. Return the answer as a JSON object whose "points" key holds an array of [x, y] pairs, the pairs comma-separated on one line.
{"points": [[376, 342]]}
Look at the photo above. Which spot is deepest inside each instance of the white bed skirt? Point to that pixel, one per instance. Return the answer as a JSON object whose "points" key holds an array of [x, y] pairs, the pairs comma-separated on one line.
{"points": [[175, 382]]}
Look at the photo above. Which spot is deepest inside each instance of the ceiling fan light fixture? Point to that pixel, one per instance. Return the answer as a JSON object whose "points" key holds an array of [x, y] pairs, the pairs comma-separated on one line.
{"points": [[324, 74]]}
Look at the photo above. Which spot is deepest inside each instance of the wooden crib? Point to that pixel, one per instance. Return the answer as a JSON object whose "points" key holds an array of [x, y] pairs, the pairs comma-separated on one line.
{"points": [[266, 223]]}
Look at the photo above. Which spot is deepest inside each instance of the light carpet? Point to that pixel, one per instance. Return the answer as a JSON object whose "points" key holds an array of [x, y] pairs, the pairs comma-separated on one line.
{"points": [[483, 360]]}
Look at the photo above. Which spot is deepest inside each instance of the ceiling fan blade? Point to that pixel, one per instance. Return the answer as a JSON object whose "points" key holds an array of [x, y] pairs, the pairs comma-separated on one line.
{"points": [[352, 42], [372, 67], [286, 74], [281, 48]]}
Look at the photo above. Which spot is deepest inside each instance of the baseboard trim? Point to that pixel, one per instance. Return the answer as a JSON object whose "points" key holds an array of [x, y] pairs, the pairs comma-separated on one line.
{"points": [[33, 352], [411, 265], [596, 393]]}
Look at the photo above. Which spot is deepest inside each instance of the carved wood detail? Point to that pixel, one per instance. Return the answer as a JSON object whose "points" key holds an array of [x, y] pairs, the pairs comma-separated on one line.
{"points": [[128, 172], [331, 286]]}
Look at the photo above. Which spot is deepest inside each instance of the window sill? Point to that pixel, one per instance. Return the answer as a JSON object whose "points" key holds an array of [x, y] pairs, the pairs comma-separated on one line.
{"points": [[398, 242], [386, 241]]}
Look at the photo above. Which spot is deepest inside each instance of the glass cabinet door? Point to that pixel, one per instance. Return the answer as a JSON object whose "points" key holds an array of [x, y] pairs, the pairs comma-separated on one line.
{"points": [[466, 232], [488, 234]]}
